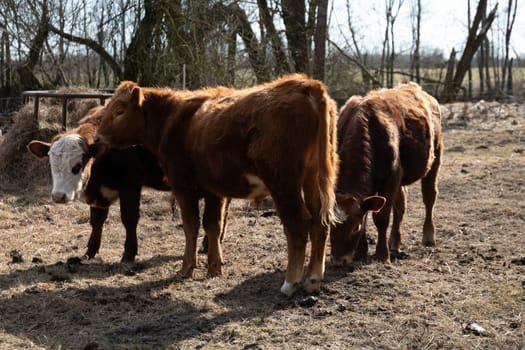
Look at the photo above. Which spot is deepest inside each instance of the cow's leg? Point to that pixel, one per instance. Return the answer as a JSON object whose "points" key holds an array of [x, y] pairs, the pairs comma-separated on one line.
{"points": [[189, 210], [398, 213], [390, 191], [129, 214], [318, 235], [212, 222], [224, 224], [381, 220], [294, 217], [97, 217], [361, 252], [429, 191], [224, 218]]}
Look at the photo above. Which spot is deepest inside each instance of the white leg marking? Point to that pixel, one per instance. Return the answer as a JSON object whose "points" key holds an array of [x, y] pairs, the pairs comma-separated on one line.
{"points": [[288, 288]]}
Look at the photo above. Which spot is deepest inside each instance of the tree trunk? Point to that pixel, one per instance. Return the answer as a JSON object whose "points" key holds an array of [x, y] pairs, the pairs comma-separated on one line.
{"points": [[244, 28], [449, 74], [320, 40], [510, 88], [511, 16], [481, 66], [281, 62], [469, 72], [137, 52], [417, 39], [232, 49], [294, 21], [27, 78]]}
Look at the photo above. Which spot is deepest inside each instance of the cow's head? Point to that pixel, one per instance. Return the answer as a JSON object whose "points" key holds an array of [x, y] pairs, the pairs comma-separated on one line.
{"points": [[123, 121], [68, 155], [344, 237]]}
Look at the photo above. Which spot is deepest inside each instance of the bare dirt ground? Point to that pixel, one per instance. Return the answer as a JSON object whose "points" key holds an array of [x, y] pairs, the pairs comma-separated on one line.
{"points": [[434, 299]]}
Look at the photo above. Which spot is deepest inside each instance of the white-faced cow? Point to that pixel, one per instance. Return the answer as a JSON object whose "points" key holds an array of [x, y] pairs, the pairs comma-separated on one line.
{"points": [[275, 139], [112, 175], [388, 139], [68, 157]]}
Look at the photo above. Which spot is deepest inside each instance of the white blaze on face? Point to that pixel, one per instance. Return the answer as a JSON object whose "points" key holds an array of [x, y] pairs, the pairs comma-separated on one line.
{"points": [[66, 157]]}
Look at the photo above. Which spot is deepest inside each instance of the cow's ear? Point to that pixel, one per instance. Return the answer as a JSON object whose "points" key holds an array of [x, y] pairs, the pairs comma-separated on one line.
{"points": [[39, 149], [137, 97], [373, 203]]}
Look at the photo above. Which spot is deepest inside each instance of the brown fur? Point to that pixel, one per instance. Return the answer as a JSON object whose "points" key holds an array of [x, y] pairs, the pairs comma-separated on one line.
{"points": [[207, 141], [387, 139]]}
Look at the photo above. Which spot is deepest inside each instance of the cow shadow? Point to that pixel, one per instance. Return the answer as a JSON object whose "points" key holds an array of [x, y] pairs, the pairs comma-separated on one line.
{"points": [[74, 269], [256, 298], [132, 315], [142, 315]]}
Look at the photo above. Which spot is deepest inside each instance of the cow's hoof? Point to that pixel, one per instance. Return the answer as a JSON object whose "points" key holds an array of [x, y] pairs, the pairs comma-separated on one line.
{"points": [[186, 272], [312, 285], [341, 261], [215, 269], [88, 256], [382, 258], [127, 259], [289, 289], [429, 242], [397, 255]]}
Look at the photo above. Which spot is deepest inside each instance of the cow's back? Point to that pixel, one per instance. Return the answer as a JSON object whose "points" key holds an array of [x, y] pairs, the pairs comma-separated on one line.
{"points": [[417, 118], [256, 128]]}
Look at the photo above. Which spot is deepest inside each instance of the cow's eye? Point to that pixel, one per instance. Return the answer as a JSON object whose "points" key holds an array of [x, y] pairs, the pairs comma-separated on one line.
{"points": [[76, 169]]}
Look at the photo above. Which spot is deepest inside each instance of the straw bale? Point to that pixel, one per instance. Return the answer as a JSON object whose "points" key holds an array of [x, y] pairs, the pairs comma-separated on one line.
{"points": [[20, 170]]}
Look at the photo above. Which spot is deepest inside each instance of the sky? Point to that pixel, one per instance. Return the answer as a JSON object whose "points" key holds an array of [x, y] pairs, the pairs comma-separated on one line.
{"points": [[443, 24]]}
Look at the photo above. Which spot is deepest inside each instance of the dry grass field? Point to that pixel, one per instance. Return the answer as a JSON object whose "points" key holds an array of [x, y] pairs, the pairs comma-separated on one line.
{"points": [[434, 299]]}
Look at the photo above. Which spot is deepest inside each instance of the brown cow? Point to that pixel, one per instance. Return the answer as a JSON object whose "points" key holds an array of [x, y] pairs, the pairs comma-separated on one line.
{"points": [[387, 139], [277, 138]]}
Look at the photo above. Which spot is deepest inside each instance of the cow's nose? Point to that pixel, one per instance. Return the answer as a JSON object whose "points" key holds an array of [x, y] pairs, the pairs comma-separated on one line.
{"points": [[58, 197]]}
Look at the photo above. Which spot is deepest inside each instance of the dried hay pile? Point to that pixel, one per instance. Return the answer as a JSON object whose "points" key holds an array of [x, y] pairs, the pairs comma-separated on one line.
{"points": [[18, 168]]}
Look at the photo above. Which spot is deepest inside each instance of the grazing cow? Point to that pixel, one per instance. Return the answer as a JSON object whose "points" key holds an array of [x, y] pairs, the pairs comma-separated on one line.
{"points": [[275, 139], [114, 174], [388, 139]]}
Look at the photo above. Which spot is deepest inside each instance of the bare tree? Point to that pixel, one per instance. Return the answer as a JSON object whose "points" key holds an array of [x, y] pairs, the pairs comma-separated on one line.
{"points": [[416, 37], [505, 69], [474, 40], [388, 55]]}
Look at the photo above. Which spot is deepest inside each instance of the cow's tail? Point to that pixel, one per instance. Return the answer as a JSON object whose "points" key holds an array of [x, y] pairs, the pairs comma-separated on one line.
{"points": [[328, 157]]}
